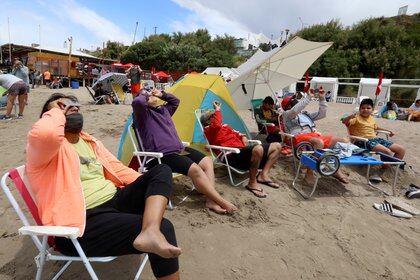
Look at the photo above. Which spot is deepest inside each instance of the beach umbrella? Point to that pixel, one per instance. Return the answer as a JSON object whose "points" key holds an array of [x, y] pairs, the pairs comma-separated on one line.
{"points": [[161, 74], [111, 78], [267, 72]]}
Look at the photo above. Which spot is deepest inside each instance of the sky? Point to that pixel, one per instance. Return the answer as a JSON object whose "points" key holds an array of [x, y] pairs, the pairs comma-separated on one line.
{"points": [[93, 22]]}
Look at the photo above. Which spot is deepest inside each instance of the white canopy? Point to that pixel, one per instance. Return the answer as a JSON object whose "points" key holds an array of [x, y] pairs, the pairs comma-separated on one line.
{"points": [[367, 87], [328, 84], [225, 71], [267, 72]]}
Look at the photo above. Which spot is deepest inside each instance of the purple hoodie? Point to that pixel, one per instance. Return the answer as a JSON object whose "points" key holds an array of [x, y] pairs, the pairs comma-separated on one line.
{"points": [[155, 125]]}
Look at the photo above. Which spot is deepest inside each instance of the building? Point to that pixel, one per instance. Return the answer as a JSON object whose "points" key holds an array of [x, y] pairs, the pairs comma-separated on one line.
{"points": [[55, 60]]}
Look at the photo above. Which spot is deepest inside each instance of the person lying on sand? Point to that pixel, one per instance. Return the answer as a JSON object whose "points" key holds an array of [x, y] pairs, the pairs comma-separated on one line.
{"points": [[250, 158], [364, 125], [302, 124], [414, 111], [78, 182], [158, 134]]}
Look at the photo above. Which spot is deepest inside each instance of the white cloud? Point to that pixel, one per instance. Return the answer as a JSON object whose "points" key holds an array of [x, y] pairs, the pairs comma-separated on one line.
{"points": [[58, 22], [101, 27], [216, 21], [240, 17]]}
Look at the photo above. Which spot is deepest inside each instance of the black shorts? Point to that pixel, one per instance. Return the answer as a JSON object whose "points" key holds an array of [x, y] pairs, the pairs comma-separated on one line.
{"points": [[242, 160], [112, 227], [180, 163]]}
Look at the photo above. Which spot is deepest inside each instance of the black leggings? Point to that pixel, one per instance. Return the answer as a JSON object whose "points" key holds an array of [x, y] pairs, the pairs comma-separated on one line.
{"points": [[112, 227]]}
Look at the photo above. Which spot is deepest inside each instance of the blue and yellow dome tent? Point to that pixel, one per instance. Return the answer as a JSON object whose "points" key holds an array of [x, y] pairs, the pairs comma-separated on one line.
{"points": [[195, 91]]}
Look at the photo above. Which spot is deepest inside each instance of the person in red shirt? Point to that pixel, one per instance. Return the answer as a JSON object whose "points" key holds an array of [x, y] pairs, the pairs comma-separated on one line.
{"points": [[250, 158]]}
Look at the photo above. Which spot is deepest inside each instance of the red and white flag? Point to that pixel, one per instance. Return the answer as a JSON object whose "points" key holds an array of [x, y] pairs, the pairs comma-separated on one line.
{"points": [[379, 86], [307, 84]]}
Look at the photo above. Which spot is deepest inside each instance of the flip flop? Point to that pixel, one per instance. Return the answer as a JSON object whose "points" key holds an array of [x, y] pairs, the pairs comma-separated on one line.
{"points": [[399, 203], [269, 183], [375, 179], [254, 191], [388, 209]]}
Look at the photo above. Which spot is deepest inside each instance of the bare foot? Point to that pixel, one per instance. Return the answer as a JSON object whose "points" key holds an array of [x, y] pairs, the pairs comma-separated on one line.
{"points": [[210, 204], [153, 241], [341, 177], [228, 206], [309, 179]]}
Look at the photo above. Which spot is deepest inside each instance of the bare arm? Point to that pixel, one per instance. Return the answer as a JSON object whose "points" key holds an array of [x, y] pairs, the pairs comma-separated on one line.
{"points": [[322, 111]]}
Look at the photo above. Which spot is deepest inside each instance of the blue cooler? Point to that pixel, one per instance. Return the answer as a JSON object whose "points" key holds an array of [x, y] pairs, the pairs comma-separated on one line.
{"points": [[74, 84]]}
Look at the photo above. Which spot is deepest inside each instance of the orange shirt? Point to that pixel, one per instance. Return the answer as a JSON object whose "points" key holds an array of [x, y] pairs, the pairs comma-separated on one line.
{"points": [[47, 75], [53, 169]]}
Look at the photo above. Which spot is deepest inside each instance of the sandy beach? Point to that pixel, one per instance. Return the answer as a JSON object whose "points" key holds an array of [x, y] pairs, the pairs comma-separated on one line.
{"points": [[335, 235]]}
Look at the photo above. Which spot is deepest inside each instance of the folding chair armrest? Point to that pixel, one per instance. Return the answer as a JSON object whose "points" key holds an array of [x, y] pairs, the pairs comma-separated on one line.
{"points": [[225, 149], [256, 142], [69, 232], [148, 154], [286, 134], [383, 132], [358, 138], [185, 144]]}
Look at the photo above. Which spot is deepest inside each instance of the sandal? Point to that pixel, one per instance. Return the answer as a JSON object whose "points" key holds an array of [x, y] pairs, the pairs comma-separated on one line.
{"points": [[269, 183], [255, 192], [388, 209]]}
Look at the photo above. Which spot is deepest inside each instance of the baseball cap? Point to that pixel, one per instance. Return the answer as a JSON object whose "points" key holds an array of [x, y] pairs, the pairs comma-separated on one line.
{"points": [[286, 101]]}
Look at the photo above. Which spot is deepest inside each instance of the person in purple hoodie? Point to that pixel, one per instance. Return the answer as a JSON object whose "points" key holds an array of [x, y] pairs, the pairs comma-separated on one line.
{"points": [[158, 134]]}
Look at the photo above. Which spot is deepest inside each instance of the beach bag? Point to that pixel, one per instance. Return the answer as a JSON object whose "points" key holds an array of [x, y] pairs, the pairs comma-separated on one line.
{"points": [[390, 115]]}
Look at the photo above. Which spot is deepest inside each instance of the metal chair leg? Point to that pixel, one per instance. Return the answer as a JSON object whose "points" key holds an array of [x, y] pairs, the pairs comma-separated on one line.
{"points": [[84, 259], [61, 271], [41, 261], [142, 265]]}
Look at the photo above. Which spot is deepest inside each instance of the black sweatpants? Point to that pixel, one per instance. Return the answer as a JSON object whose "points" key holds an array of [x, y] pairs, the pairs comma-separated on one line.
{"points": [[112, 227]]}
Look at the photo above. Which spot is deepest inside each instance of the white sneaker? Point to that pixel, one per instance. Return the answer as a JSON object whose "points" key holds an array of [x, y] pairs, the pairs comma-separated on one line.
{"points": [[388, 209]]}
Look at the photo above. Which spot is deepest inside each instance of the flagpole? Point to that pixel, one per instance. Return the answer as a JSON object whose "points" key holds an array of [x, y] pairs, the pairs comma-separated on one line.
{"points": [[71, 42], [10, 45]]}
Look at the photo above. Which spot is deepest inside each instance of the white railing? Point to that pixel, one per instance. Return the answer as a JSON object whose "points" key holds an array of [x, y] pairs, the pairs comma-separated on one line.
{"points": [[345, 99]]}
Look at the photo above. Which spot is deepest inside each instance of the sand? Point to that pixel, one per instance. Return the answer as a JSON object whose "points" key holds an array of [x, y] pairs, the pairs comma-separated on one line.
{"points": [[335, 235]]}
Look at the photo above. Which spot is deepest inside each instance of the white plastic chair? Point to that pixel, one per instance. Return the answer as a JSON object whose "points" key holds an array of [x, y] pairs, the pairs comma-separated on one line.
{"points": [[144, 157], [221, 157], [45, 244]]}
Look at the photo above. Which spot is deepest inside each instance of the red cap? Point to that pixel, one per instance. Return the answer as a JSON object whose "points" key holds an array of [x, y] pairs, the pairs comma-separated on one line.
{"points": [[286, 101]]}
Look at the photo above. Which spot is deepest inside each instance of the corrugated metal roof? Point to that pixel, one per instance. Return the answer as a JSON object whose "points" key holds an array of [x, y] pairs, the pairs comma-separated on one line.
{"points": [[50, 49], [65, 51]]}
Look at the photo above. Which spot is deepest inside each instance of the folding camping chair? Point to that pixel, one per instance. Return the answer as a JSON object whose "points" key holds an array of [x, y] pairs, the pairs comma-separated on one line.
{"points": [[221, 157], [262, 124], [287, 140], [97, 100], [46, 251], [144, 157], [120, 95]]}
